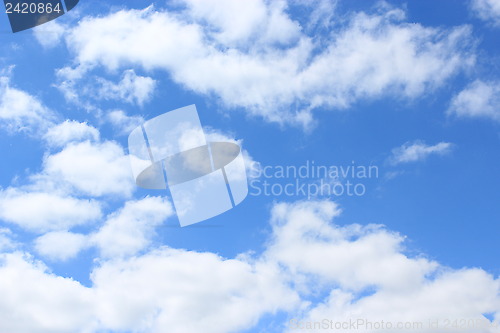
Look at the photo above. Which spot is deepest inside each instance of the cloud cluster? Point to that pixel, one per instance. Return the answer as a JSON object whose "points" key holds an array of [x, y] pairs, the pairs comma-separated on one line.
{"points": [[254, 55], [125, 232], [78, 168], [311, 269], [67, 191]]}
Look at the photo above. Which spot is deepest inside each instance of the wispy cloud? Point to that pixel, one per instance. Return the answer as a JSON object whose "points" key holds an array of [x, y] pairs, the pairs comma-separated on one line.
{"points": [[487, 10], [417, 151], [20, 111], [123, 122]]}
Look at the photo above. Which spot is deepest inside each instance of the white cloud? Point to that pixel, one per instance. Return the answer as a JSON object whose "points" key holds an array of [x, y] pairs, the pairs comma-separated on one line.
{"points": [[34, 300], [132, 88], [130, 230], [346, 262], [69, 77], [450, 295], [69, 131], [124, 233], [238, 23], [94, 169], [417, 151], [487, 10], [21, 112], [87, 90], [60, 245], [49, 34], [363, 256], [190, 292], [310, 269], [54, 195], [203, 50], [479, 99], [167, 290], [41, 212], [123, 122]]}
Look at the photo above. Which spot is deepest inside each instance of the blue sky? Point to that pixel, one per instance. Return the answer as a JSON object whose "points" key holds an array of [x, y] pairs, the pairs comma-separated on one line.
{"points": [[411, 88]]}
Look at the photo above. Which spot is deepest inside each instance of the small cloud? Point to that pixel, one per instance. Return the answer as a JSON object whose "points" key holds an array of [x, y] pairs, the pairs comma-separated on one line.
{"points": [[417, 151], [478, 100], [60, 245], [132, 88], [47, 211], [392, 174]]}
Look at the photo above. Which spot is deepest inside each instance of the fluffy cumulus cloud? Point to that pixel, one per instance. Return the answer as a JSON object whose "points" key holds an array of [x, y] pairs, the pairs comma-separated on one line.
{"points": [[354, 257], [60, 245], [87, 168], [52, 304], [60, 196], [479, 99], [286, 73], [130, 229], [366, 275], [47, 211], [70, 131], [487, 10], [124, 233], [417, 151], [310, 269]]}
